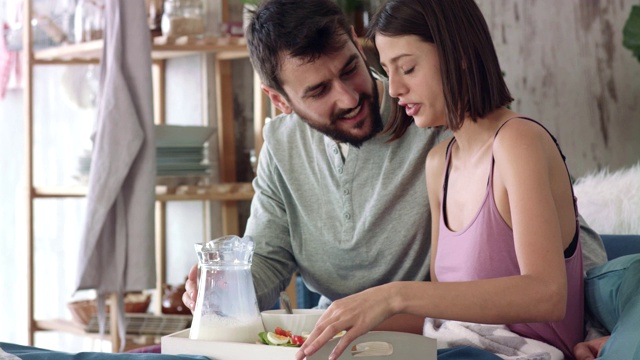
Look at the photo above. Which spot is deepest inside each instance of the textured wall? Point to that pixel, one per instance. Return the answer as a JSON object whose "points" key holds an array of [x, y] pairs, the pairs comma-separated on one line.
{"points": [[566, 66]]}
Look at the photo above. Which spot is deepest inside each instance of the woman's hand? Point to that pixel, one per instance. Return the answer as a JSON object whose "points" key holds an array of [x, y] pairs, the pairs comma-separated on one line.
{"points": [[191, 289], [357, 314]]}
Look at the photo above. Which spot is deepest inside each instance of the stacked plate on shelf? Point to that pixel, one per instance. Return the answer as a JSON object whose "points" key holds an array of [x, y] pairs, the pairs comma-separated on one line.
{"points": [[83, 167], [181, 155], [181, 150]]}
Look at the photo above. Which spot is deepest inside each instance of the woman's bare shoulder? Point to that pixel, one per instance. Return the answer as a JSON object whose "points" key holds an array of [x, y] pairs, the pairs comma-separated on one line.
{"points": [[522, 132], [519, 139], [523, 149], [436, 158]]}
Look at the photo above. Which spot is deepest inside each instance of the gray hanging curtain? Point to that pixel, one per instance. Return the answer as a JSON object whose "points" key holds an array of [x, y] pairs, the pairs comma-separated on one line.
{"points": [[117, 251]]}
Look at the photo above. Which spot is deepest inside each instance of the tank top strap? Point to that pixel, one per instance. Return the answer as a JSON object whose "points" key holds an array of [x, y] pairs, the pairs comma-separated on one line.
{"points": [[446, 167], [493, 161]]}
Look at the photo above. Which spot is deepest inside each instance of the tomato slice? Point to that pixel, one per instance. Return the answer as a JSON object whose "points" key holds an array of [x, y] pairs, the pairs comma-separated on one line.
{"points": [[297, 339], [282, 332]]}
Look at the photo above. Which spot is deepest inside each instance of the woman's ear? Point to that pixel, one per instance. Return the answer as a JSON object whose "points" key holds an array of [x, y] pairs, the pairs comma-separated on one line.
{"points": [[278, 100]]}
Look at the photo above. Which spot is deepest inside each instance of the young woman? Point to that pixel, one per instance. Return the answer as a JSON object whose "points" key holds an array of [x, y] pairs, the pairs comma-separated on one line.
{"points": [[505, 236]]}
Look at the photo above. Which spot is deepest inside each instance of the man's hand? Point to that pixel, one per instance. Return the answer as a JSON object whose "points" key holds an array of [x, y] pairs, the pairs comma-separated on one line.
{"points": [[191, 289], [589, 350]]}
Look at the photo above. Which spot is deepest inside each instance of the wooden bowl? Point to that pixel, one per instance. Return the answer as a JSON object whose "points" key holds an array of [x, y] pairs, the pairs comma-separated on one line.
{"points": [[83, 310]]}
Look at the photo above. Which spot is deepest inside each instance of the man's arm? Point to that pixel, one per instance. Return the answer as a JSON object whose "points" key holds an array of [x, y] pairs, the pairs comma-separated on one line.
{"points": [[273, 262]]}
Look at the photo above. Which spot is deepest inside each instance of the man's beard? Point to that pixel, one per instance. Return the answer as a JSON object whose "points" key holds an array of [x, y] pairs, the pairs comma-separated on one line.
{"points": [[344, 137]]}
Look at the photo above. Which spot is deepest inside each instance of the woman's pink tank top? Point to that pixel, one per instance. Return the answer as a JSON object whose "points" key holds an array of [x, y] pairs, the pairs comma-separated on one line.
{"points": [[485, 249]]}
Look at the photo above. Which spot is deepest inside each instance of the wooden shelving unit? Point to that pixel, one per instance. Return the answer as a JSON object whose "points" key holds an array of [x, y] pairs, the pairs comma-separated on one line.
{"points": [[163, 48], [228, 192], [218, 192]]}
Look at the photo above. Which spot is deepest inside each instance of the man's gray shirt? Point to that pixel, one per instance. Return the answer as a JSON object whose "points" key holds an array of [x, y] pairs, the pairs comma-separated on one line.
{"points": [[344, 225]]}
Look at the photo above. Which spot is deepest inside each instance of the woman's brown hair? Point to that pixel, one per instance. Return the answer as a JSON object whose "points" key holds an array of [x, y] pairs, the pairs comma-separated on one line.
{"points": [[472, 80]]}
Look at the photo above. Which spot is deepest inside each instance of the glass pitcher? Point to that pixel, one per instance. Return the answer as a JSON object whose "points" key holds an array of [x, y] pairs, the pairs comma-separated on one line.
{"points": [[226, 307]]}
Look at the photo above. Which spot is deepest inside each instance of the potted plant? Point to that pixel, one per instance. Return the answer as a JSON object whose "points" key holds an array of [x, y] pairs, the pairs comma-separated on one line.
{"points": [[357, 14], [631, 32], [247, 7]]}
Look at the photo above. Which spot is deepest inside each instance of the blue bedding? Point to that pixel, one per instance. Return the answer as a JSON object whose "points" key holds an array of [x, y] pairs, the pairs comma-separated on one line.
{"points": [[33, 353]]}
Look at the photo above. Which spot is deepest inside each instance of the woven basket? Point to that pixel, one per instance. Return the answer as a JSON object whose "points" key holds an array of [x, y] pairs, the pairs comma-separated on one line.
{"points": [[83, 310]]}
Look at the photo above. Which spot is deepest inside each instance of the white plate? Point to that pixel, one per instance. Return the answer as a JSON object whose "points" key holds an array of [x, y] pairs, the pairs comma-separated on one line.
{"points": [[182, 136]]}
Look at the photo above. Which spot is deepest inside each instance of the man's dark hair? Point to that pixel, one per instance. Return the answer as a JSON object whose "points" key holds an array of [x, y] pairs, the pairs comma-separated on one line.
{"points": [[305, 30], [471, 77]]}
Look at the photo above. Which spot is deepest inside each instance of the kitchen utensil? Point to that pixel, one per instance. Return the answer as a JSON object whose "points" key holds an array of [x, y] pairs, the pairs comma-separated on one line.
{"points": [[285, 302]]}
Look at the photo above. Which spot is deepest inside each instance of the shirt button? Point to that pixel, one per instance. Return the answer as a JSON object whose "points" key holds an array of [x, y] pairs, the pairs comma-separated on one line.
{"points": [[335, 150], [347, 216], [345, 191], [339, 170]]}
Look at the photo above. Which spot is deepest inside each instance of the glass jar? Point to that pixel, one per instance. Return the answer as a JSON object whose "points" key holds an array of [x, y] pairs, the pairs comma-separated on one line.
{"points": [[88, 20], [182, 18]]}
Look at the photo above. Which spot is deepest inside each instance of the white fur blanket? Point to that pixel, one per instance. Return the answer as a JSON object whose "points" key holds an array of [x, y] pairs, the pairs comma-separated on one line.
{"points": [[497, 339], [610, 201]]}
